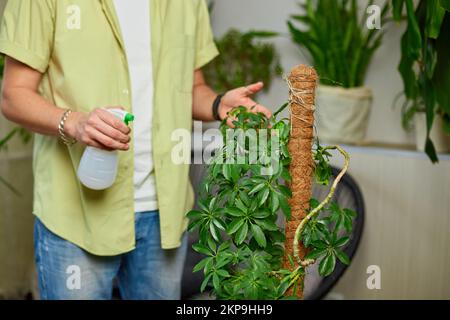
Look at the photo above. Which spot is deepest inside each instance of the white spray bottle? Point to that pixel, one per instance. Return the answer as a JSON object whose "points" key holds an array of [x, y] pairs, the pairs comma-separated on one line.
{"points": [[98, 168]]}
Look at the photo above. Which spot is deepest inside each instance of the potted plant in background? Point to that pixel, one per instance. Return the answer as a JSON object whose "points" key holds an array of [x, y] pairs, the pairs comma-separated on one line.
{"points": [[16, 221], [341, 48], [425, 69], [243, 59]]}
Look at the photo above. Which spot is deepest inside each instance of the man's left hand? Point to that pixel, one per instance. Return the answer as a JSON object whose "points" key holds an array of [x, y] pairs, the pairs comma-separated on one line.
{"points": [[242, 97]]}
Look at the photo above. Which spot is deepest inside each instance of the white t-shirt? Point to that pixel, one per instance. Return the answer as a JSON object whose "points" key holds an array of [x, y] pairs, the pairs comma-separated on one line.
{"points": [[134, 19]]}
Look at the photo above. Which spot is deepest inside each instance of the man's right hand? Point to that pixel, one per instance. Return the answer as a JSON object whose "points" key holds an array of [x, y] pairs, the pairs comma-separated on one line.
{"points": [[99, 129]]}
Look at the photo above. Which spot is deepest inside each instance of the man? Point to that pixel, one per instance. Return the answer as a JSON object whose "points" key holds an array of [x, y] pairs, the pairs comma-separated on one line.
{"points": [[68, 60]]}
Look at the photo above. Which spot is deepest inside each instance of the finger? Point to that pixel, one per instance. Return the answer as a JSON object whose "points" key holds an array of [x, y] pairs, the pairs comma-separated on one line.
{"points": [[264, 110], [95, 144], [254, 88], [112, 120], [256, 107], [230, 122], [110, 131], [107, 142]]}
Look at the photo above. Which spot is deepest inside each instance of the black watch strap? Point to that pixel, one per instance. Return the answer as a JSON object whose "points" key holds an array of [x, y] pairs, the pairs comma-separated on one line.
{"points": [[215, 107]]}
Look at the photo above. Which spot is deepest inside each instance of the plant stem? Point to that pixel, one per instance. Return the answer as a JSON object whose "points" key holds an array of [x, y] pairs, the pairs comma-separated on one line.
{"points": [[315, 211]]}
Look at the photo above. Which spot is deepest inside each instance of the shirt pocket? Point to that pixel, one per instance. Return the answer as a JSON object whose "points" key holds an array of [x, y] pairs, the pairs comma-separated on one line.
{"points": [[181, 53]]}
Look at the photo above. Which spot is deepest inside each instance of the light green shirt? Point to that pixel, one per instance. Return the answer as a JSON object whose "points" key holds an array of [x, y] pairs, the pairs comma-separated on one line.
{"points": [[77, 46]]}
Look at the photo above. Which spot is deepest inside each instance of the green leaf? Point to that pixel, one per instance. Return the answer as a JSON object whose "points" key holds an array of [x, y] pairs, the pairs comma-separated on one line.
{"points": [[201, 249], [194, 224], [257, 188], [203, 234], [203, 205], [260, 214], [327, 265], [316, 254], [216, 282], [435, 17], [275, 202], [194, 214], [205, 282], [212, 245], [223, 273], [342, 242], [226, 171], [260, 34], [430, 150], [284, 205], [414, 34], [219, 224], [235, 212], [214, 232], [245, 198], [263, 196], [241, 234], [212, 204], [406, 70], [342, 256], [216, 170], [445, 4], [259, 236], [285, 191], [241, 205], [224, 246], [291, 261], [235, 172], [199, 266], [222, 261], [286, 175], [209, 266], [397, 9], [267, 225], [235, 226]]}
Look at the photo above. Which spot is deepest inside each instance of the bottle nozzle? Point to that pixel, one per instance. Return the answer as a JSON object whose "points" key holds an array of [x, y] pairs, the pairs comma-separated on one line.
{"points": [[128, 118]]}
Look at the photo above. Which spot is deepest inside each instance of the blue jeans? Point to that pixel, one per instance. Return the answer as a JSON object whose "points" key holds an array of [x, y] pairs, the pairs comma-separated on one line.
{"points": [[66, 271]]}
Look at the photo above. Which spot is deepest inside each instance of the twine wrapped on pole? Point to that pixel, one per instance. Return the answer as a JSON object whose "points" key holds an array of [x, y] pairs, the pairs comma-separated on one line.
{"points": [[302, 83]]}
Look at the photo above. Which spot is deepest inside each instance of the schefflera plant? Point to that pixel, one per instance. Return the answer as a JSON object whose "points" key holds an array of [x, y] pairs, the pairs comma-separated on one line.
{"points": [[239, 208]]}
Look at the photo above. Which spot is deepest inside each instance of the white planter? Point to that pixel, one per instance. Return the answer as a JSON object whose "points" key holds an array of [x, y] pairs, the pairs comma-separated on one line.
{"points": [[440, 139], [342, 115]]}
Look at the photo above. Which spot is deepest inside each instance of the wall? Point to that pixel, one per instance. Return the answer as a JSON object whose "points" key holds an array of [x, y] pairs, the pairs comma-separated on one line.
{"points": [[406, 226], [382, 77]]}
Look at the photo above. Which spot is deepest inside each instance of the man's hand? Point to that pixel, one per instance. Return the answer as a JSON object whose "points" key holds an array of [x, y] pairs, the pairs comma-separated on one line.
{"points": [[242, 97], [204, 96], [99, 129], [22, 103]]}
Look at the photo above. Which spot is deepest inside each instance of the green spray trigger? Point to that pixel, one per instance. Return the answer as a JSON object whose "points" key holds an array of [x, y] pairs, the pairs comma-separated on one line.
{"points": [[128, 118]]}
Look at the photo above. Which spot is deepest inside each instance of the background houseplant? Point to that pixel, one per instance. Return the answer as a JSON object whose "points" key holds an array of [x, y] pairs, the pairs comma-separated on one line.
{"points": [[425, 69], [243, 59], [16, 219], [9, 134], [341, 48]]}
